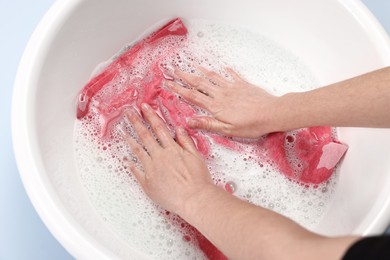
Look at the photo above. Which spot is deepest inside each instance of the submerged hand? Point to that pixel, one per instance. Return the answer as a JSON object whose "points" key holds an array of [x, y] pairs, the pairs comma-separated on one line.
{"points": [[172, 172], [238, 108]]}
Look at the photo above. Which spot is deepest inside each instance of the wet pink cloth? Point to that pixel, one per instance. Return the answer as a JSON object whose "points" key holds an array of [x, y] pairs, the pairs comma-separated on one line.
{"points": [[173, 28], [309, 157]]}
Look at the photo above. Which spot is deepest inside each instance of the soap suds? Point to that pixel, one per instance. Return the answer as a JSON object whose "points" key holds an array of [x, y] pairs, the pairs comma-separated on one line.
{"points": [[249, 166]]}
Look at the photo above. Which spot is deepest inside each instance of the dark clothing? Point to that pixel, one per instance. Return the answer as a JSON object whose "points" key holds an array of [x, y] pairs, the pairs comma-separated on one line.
{"points": [[376, 248]]}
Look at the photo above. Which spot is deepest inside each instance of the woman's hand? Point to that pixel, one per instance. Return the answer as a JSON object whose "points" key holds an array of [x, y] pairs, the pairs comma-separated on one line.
{"points": [[172, 172], [237, 107]]}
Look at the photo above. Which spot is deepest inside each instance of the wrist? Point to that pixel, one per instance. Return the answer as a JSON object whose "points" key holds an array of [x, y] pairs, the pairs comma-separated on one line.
{"points": [[194, 204], [288, 112]]}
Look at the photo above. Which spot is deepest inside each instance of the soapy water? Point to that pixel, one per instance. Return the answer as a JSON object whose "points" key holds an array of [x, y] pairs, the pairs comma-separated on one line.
{"points": [[263, 172]]}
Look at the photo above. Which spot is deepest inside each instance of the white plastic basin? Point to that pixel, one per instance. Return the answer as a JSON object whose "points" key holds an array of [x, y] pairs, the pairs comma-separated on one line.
{"points": [[336, 40]]}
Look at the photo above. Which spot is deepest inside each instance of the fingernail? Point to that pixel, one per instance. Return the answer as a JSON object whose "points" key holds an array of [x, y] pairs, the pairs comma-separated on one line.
{"points": [[145, 106], [167, 72]]}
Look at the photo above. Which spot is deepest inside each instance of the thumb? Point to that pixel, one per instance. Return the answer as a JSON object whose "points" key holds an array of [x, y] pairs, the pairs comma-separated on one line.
{"points": [[209, 124]]}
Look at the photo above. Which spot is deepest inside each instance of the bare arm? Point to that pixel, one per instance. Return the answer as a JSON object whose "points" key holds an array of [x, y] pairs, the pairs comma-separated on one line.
{"points": [[363, 101], [239, 108], [240, 230], [245, 231]]}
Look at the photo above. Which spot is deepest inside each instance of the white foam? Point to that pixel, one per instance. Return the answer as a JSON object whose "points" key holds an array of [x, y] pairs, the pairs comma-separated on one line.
{"points": [[118, 198]]}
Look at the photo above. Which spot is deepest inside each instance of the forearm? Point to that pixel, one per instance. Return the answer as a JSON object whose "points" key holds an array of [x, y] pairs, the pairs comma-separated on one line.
{"points": [[363, 101], [244, 231]]}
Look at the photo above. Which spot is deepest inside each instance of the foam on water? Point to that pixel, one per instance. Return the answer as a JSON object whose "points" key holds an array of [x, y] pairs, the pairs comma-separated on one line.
{"points": [[118, 198]]}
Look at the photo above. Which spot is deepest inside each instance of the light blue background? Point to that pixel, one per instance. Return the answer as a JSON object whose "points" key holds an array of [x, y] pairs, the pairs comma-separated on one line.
{"points": [[22, 233]]}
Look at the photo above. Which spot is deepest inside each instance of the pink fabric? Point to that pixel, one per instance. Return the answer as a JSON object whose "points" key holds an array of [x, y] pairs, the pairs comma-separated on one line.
{"points": [[309, 157]]}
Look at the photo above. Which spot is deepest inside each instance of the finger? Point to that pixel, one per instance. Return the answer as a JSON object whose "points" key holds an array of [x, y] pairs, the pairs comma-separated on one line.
{"points": [[135, 147], [191, 95], [137, 173], [157, 125], [210, 124], [201, 84], [214, 77], [143, 133], [234, 74], [185, 140]]}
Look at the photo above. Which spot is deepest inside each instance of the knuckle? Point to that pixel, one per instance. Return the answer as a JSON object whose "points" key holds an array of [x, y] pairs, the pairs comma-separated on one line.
{"points": [[179, 89], [212, 75], [159, 127], [143, 133], [171, 151], [184, 75], [196, 82], [207, 124], [129, 141], [227, 129], [193, 95], [185, 92], [137, 149]]}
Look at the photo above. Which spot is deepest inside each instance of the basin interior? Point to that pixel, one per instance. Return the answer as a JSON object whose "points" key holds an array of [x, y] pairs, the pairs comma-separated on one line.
{"points": [[328, 36]]}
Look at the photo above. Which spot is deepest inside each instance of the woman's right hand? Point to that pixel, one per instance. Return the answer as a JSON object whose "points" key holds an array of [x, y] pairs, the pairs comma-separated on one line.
{"points": [[237, 107]]}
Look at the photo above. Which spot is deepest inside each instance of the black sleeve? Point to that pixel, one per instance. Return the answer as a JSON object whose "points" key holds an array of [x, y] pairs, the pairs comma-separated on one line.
{"points": [[377, 248]]}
